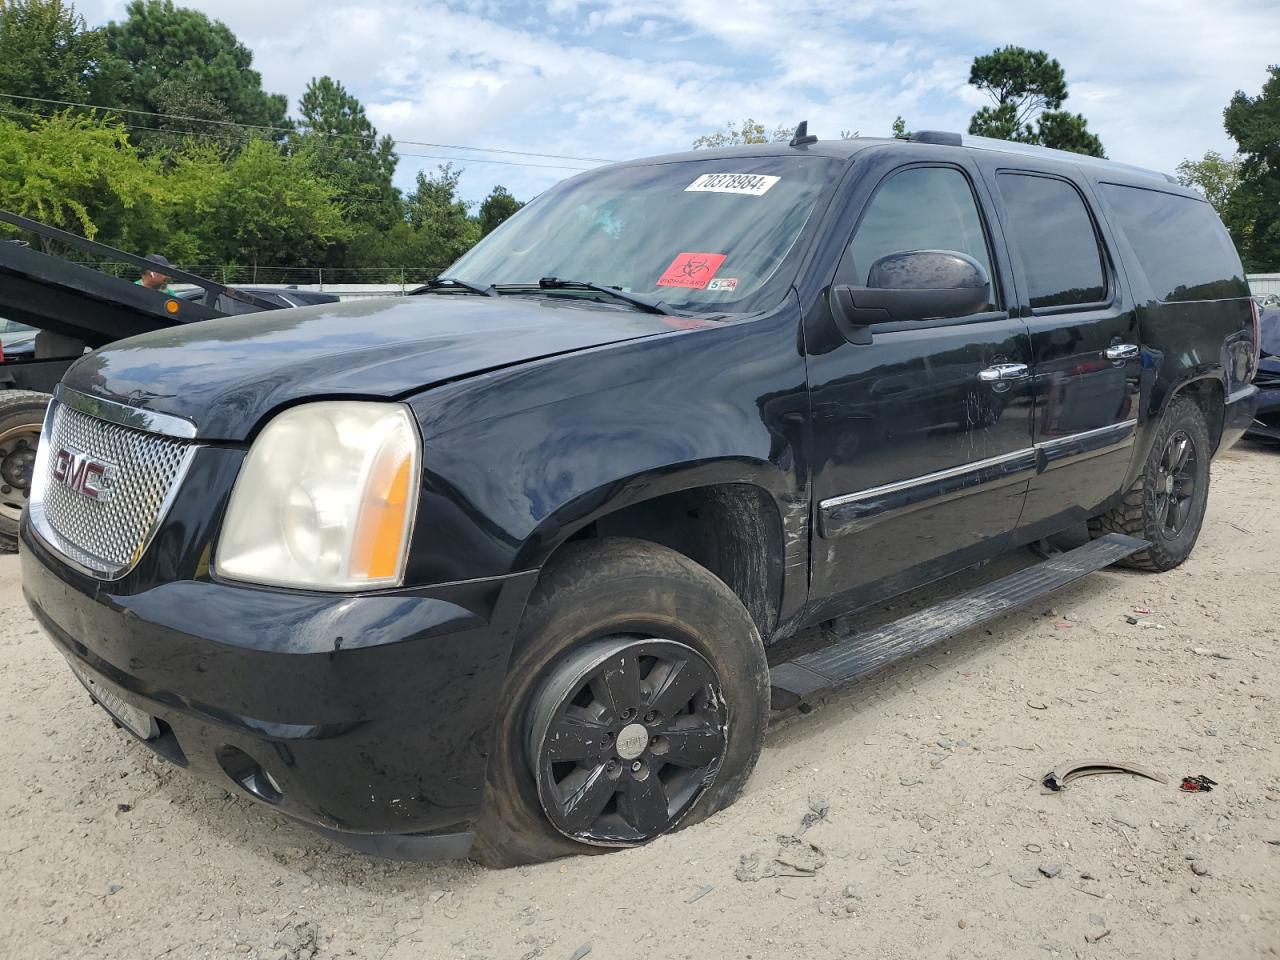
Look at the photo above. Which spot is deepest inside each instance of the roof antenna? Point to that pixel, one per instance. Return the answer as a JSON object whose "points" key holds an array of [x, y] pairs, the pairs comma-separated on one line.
{"points": [[803, 137]]}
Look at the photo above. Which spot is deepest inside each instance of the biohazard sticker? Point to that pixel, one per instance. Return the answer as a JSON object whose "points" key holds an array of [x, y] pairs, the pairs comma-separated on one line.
{"points": [[746, 184], [692, 270], [723, 284]]}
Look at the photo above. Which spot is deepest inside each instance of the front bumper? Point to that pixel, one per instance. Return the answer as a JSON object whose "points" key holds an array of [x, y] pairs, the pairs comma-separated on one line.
{"points": [[366, 716]]}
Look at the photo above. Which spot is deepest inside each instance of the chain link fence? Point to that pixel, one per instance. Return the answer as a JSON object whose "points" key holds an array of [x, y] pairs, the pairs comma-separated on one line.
{"points": [[316, 277]]}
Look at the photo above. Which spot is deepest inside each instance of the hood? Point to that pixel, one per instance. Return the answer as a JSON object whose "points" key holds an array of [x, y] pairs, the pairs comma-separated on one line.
{"points": [[225, 374]]}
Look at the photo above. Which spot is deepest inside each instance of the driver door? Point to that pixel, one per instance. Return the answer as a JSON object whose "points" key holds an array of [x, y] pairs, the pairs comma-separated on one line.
{"points": [[921, 437]]}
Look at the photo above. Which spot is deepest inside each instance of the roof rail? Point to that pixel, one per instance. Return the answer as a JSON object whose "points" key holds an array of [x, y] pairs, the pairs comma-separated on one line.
{"points": [[942, 137], [1031, 150]]}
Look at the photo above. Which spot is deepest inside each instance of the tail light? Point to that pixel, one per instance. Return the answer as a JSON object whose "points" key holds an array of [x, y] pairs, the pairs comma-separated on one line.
{"points": [[1255, 359]]}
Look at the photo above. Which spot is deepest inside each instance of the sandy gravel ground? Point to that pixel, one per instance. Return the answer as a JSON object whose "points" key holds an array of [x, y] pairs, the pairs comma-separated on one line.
{"points": [[935, 837]]}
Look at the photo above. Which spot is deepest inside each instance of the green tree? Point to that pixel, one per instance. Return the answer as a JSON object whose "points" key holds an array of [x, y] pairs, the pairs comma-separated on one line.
{"points": [[271, 209], [496, 207], [46, 50], [748, 132], [1213, 175], [1027, 88], [76, 172], [343, 146], [164, 59], [1253, 210], [900, 131], [440, 218]]}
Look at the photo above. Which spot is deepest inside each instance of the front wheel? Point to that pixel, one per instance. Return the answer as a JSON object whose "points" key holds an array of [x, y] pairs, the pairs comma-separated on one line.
{"points": [[1166, 504], [21, 419], [636, 702]]}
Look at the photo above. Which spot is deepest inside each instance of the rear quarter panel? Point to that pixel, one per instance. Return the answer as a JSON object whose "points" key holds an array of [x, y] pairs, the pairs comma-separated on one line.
{"points": [[1208, 336]]}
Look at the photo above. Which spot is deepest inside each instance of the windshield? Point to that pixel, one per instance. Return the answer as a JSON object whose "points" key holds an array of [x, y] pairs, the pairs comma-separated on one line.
{"points": [[706, 235]]}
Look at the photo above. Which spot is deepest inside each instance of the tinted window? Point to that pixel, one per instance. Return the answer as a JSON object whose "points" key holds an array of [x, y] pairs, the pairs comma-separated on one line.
{"points": [[924, 208], [235, 308], [1051, 230], [1181, 244]]}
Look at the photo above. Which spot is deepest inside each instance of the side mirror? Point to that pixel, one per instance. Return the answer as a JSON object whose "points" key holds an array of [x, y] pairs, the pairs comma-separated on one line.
{"points": [[912, 285]]}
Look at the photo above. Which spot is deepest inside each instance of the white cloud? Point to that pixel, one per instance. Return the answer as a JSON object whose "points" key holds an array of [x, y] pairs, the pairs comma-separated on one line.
{"points": [[625, 78]]}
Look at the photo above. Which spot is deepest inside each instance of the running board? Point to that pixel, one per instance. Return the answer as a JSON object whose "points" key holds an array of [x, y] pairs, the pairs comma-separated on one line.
{"points": [[861, 653]]}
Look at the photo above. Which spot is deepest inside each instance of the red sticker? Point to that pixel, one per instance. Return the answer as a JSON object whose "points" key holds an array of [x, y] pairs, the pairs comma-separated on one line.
{"points": [[692, 270]]}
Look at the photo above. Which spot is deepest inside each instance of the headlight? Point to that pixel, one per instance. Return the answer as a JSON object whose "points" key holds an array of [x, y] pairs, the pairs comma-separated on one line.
{"points": [[325, 499]]}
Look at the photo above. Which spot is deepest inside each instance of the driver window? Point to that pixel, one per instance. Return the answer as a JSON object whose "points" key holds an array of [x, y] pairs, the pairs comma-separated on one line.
{"points": [[921, 208]]}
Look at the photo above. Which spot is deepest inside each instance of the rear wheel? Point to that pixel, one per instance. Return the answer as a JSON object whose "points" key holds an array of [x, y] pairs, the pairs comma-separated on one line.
{"points": [[1166, 504], [21, 418], [636, 702]]}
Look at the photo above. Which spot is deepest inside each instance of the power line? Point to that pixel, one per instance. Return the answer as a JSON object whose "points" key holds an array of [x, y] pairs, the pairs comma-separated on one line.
{"points": [[294, 130], [231, 138]]}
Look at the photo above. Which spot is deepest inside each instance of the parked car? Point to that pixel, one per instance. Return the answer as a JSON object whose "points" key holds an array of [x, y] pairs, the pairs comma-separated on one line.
{"points": [[1266, 426], [17, 340], [286, 297], [493, 571]]}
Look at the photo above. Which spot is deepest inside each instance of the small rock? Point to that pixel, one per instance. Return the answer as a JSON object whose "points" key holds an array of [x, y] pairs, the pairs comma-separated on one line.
{"points": [[1199, 868], [962, 923], [1051, 870], [113, 888], [851, 891], [123, 807], [1195, 886]]}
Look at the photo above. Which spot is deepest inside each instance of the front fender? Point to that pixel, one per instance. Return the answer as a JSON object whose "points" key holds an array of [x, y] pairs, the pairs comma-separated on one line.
{"points": [[519, 459]]}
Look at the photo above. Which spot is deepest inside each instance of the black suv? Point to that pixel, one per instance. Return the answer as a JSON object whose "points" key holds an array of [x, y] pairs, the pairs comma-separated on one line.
{"points": [[494, 570]]}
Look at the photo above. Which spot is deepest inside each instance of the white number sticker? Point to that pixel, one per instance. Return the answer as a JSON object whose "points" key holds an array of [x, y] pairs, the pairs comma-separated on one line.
{"points": [[747, 184]]}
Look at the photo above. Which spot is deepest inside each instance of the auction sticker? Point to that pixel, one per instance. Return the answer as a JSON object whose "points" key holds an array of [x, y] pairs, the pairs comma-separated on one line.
{"points": [[723, 283], [692, 270], [747, 184]]}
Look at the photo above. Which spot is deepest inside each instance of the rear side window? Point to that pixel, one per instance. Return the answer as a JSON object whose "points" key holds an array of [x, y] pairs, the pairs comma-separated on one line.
{"points": [[921, 208], [1053, 234], [1181, 244]]}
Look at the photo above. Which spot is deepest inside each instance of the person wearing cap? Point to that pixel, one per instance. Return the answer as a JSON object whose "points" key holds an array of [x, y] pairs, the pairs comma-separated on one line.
{"points": [[155, 279]]}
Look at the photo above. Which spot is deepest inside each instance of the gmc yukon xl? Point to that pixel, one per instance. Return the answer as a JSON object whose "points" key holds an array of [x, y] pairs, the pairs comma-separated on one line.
{"points": [[508, 569]]}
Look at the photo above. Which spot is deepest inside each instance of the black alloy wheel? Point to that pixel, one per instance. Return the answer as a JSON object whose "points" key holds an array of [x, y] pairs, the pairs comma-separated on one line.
{"points": [[1165, 504], [624, 736], [1175, 484]]}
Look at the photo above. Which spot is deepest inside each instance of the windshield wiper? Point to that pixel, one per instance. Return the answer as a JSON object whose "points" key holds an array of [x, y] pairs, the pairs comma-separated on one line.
{"points": [[647, 304], [453, 283]]}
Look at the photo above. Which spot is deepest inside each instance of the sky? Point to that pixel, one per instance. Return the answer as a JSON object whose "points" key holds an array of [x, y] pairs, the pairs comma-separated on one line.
{"points": [[629, 78]]}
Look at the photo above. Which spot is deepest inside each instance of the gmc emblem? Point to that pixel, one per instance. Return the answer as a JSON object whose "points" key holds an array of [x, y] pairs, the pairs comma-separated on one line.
{"points": [[84, 474]]}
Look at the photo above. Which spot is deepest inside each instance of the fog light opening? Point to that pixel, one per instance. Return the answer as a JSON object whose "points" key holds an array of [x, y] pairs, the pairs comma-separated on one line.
{"points": [[249, 775]]}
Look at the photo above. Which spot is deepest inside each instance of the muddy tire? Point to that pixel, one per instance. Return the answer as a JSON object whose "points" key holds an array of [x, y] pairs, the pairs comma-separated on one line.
{"points": [[21, 418], [1166, 504], [609, 630]]}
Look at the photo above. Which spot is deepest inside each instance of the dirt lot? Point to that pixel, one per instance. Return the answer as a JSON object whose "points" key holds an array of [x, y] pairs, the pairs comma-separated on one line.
{"points": [[936, 838]]}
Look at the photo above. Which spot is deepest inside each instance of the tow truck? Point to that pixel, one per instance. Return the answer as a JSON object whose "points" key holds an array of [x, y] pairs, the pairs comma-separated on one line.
{"points": [[74, 307]]}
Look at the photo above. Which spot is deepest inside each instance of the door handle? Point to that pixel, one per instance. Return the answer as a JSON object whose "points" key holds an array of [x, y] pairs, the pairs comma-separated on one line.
{"points": [[1121, 351], [1003, 371]]}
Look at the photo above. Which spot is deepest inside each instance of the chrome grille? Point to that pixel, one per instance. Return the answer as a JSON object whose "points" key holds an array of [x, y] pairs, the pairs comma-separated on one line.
{"points": [[105, 534]]}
